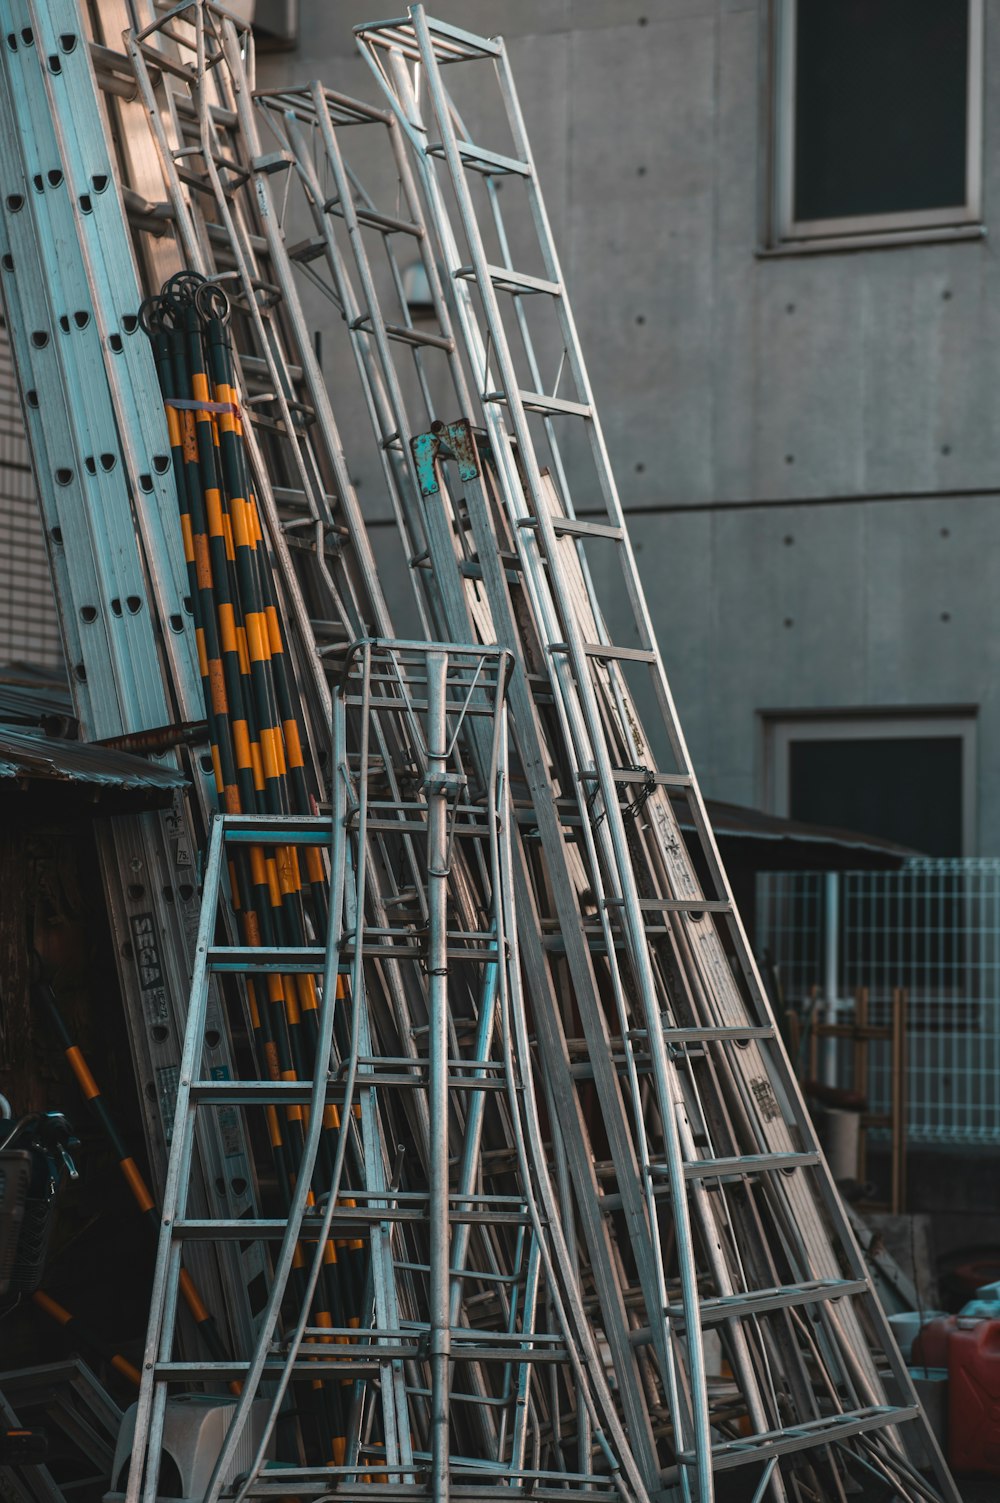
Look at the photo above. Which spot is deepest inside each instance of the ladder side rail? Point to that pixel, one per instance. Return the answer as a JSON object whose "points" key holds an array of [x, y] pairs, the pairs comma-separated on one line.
{"points": [[554, 274], [282, 1263], [193, 247], [602, 460], [127, 134], [514, 499], [395, 1416], [233, 219], [504, 927], [623, 1451], [352, 310], [815, 1252], [114, 294], [155, 945], [361, 546], [394, 1403], [37, 358], [163, 1301], [77, 351], [534, 758]]}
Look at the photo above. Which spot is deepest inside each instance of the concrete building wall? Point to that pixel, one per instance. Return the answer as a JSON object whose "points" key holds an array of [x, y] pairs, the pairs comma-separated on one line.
{"points": [[807, 443]]}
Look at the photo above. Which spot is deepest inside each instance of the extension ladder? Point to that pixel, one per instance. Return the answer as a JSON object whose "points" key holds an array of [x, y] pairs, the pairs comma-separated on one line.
{"points": [[99, 455]]}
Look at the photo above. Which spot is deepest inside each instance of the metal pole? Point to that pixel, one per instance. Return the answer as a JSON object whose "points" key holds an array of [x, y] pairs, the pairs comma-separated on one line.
{"points": [[437, 785], [831, 969]]}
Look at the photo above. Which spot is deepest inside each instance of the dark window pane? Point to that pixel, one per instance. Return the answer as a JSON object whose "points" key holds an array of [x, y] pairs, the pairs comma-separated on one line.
{"points": [[907, 789], [880, 106]]}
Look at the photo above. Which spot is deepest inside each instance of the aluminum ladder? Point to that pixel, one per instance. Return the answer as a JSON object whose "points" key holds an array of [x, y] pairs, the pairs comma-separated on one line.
{"points": [[468, 1293], [98, 446]]}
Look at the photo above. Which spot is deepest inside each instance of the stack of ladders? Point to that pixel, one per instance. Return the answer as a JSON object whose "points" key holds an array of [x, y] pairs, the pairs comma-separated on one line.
{"points": [[558, 1158]]}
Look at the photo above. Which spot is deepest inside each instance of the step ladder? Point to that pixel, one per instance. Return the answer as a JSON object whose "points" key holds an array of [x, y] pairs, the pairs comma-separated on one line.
{"points": [[462, 1297]]}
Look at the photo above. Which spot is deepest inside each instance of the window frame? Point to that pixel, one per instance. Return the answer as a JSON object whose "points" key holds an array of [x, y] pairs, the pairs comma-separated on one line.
{"points": [[789, 233], [782, 727]]}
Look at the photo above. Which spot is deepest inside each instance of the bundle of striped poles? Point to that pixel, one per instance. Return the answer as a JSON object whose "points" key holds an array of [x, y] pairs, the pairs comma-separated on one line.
{"points": [[257, 741]]}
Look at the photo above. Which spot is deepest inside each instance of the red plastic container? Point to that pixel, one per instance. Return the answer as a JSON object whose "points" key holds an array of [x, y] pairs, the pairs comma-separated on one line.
{"points": [[930, 1345], [974, 1397]]}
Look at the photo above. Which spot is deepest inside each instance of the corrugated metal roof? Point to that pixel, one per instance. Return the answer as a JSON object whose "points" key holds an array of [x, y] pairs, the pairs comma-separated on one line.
{"points": [[736, 820], [29, 754], [34, 699], [771, 842]]}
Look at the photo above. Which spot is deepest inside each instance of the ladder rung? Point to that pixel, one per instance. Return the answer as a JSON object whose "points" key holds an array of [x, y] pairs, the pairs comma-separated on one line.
{"points": [[304, 251], [607, 650], [330, 549], [456, 42], [641, 775], [759, 1301], [277, 829], [819, 1432], [626, 654], [404, 334], [452, 44], [299, 1092], [747, 1164], [674, 905], [354, 1219], [341, 1359], [272, 161], [537, 401], [386, 224], [738, 1035], [507, 280], [218, 234], [481, 160], [254, 365], [254, 961], [331, 631], [572, 527]]}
